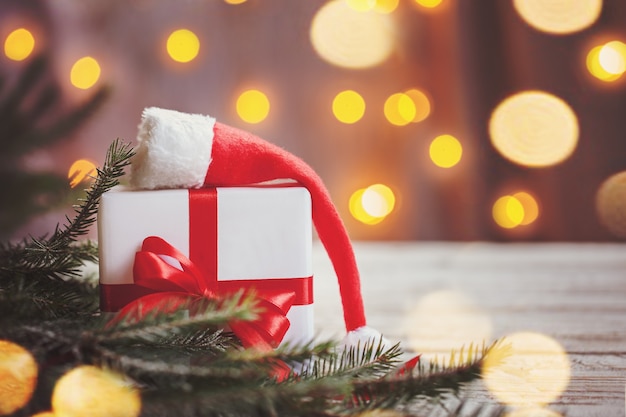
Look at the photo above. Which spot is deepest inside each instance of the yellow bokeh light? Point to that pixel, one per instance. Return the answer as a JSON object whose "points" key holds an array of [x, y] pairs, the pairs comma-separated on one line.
{"points": [[508, 212], [378, 200], [235, 1], [530, 206], [612, 57], [183, 45], [372, 204], [534, 371], [253, 106], [429, 4], [534, 129], [348, 106], [559, 16], [610, 204], [386, 6], [357, 210], [444, 321], [445, 151], [532, 412], [595, 66], [19, 44], [361, 5], [399, 109], [422, 104], [85, 73], [81, 170], [349, 38]]}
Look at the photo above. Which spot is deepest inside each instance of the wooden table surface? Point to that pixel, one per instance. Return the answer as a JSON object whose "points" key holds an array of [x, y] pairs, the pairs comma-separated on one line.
{"points": [[436, 296]]}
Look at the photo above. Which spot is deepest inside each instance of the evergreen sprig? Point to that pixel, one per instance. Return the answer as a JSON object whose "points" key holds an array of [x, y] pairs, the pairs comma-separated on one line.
{"points": [[42, 275]]}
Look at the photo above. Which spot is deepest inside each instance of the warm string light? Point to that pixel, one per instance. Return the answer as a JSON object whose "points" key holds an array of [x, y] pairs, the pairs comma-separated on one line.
{"points": [[85, 73], [445, 151], [373, 204], [348, 106], [19, 44], [534, 129], [534, 371], [559, 16], [518, 209], [82, 170], [607, 62], [445, 321], [348, 38], [183, 45], [253, 106]]}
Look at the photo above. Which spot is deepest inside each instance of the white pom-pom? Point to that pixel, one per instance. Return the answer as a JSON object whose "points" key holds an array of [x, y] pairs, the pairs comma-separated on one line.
{"points": [[174, 149], [364, 335]]}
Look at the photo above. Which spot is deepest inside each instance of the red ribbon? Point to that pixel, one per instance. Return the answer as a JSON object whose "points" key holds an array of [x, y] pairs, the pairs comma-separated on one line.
{"points": [[160, 286], [173, 288]]}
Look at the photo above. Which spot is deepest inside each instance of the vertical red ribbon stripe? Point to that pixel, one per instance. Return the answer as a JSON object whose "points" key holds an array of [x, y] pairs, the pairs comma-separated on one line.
{"points": [[203, 229]]}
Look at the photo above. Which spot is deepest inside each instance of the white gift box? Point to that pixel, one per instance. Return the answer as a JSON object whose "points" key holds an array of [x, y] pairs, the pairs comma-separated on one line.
{"points": [[263, 233]]}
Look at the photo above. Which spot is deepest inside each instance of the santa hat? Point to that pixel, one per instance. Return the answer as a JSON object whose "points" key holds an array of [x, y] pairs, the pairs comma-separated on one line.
{"points": [[180, 150]]}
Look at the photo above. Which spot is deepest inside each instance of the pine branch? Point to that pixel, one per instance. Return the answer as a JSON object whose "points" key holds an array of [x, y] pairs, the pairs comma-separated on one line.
{"points": [[58, 256], [158, 326], [434, 383], [369, 360]]}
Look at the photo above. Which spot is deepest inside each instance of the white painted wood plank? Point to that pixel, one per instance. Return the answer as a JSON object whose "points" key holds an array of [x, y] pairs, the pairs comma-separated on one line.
{"points": [[574, 293]]}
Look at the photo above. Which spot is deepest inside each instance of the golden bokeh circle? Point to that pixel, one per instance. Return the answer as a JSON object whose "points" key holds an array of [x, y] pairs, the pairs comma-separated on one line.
{"points": [[445, 151], [611, 204], [349, 38], [91, 391], [19, 44], [18, 377], [85, 73], [183, 45], [533, 370], [445, 321], [252, 106], [534, 129], [559, 16], [348, 106]]}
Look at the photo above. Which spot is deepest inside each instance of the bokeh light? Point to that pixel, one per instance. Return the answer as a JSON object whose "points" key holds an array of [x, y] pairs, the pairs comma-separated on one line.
{"points": [[444, 321], [85, 73], [253, 106], [445, 151], [386, 6], [611, 204], [534, 371], [348, 106], [372, 204], [508, 212], [235, 1], [349, 38], [518, 209], [530, 206], [607, 62], [399, 109], [532, 411], [534, 129], [421, 102], [358, 211], [361, 5], [559, 16], [380, 6], [429, 4], [183, 45], [80, 171], [19, 44]]}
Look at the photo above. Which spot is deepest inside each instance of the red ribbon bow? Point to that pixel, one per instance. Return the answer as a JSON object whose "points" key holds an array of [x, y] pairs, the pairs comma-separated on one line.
{"points": [[175, 287]]}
